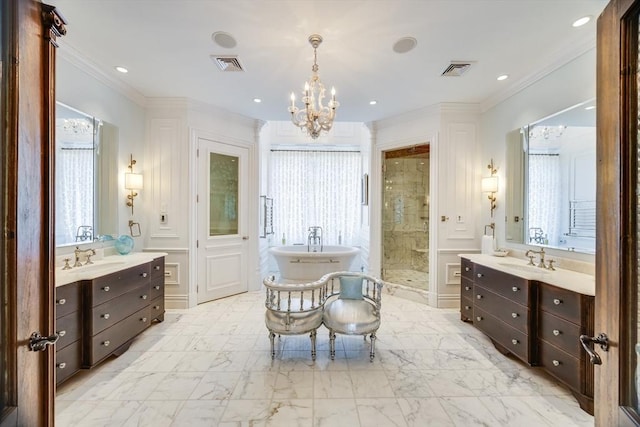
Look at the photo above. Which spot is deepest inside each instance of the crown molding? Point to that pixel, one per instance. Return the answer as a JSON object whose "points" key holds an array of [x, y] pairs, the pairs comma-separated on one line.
{"points": [[559, 59], [75, 58]]}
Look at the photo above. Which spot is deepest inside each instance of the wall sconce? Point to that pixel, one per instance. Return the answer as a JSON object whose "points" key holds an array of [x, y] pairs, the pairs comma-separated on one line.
{"points": [[490, 185], [132, 182]]}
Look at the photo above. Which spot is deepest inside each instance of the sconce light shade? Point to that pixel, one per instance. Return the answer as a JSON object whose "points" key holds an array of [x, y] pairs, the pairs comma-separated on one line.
{"points": [[133, 181], [490, 184]]}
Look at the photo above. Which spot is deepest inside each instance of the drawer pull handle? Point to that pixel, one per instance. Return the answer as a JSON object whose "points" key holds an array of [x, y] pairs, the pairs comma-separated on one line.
{"points": [[157, 267], [144, 274], [62, 333], [143, 297], [62, 365], [144, 319], [106, 343], [157, 287], [556, 363], [479, 274], [514, 315], [106, 316], [467, 288], [62, 301], [515, 289], [466, 307], [478, 296], [556, 332], [467, 269], [514, 341], [557, 301], [156, 307], [106, 289], [479, 318]]}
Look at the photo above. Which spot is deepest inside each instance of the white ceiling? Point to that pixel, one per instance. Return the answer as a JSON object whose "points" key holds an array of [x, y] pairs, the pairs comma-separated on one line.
{"points": [[166, 45]]}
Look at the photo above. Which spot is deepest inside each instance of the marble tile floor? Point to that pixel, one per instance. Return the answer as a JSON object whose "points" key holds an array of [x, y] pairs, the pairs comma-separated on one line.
{"points": [[406, 277], [210, 366]]}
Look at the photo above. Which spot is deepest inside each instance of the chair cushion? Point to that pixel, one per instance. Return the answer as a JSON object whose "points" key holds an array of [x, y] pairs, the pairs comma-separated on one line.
{"points": [[350, 287], [349, 316]]}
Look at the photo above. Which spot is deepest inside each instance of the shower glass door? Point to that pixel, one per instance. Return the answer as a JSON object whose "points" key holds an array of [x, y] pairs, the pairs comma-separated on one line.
{"points": [[405, 217]]}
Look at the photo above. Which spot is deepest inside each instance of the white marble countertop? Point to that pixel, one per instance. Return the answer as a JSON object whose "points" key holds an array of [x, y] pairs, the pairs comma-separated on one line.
{"points": [[102, 267], [571, 280]]}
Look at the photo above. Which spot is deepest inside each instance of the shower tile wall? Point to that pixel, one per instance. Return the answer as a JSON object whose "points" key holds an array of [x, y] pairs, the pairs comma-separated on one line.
{"points": [[406, 214]]}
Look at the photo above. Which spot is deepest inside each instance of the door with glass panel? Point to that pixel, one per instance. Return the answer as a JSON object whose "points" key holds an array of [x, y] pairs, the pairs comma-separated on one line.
{"points": [[616, 347], [222, 219]]}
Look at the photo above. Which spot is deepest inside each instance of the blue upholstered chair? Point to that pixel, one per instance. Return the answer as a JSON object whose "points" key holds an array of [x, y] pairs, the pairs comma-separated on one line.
{"points": [[352, 307]]}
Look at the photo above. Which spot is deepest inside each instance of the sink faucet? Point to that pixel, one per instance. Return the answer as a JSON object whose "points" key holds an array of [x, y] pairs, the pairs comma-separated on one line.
{"points": [[87, 252], [314, 239], [541, 264]]}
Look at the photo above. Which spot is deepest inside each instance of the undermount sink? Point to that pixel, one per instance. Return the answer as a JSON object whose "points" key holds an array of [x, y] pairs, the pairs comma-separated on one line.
{"points": [[524, 267], [97, 266]]}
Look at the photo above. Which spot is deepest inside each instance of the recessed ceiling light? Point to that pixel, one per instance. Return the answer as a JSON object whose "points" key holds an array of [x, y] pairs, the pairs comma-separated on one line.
{"points": [[121, 69], [404, 45], [580, 22], [257, 100], [373, 102], [223, 39], [502, 77]]}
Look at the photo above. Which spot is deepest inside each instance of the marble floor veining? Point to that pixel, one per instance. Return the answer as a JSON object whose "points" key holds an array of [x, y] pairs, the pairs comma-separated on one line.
{"points": [[211, 366]]}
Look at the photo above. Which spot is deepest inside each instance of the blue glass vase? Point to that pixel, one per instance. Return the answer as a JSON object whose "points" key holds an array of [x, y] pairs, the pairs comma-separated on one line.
{"points": [[124, 244]]}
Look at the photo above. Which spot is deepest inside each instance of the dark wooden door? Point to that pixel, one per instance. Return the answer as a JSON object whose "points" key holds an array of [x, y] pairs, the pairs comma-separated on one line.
{"points": [[27, 380], [618, 214]]}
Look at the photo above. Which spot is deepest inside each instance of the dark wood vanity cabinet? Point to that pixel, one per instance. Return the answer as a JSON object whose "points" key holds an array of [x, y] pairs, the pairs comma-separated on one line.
{"points": [[69, 329], [99, 318], [536, 322], [120, 306], [564, 316]]}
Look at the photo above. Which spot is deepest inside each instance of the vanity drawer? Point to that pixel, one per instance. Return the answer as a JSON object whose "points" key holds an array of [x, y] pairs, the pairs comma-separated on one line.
{"points": [[514, 315], [107, 341], [67, 299], [105, 288], [68, 361], [510, 338], [157, 308], [111, 312], [467, 269], [560, 333], [157, 288], [560, 364], [466, 309], [509, 286], [157, 268], [68, 328], [466, 288], [561, 302]]}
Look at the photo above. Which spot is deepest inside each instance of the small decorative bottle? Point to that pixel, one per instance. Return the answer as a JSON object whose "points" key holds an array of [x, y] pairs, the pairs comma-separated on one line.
{"points": [[340, 237], [284, 241]]}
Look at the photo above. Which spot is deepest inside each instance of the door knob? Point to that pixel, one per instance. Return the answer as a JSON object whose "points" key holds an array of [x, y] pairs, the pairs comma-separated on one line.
{"points": [[601, 339], [39, 343]]}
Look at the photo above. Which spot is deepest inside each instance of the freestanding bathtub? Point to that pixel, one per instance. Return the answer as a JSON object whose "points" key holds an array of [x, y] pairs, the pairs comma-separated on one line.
{"points": [[295, 263]]}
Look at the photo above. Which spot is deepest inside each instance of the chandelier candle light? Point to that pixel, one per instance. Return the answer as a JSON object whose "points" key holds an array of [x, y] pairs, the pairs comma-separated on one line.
{"points": [[315, 117]]}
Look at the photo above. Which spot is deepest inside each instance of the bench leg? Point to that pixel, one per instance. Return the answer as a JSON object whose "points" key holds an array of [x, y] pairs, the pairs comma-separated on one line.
{"points": [[313, 344], [272, 337], [372, 353], [332, 344]]}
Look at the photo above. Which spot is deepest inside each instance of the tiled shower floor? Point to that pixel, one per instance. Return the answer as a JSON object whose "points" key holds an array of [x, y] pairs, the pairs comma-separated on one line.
{"points": [[411, 278], [211, 366]]}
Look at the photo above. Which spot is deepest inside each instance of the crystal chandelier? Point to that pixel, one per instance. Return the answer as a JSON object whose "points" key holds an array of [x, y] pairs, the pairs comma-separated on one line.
{"points": [[314, 117]]}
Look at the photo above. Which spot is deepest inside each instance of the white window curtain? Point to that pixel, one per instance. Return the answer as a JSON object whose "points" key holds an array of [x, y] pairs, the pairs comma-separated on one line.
{"points": [[544, 198], [316, 188], [74, 192]]}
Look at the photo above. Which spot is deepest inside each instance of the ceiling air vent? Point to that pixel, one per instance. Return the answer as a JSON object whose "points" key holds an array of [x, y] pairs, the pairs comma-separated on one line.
{"points": [[456, 69], [227, 63]]}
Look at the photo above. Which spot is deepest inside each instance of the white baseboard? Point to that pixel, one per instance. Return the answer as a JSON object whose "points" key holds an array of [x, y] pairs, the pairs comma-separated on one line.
{"points": [[176, 301]]}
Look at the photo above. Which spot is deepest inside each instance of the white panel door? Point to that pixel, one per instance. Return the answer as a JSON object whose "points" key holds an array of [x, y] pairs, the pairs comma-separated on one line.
{"points": [[222, 219]]}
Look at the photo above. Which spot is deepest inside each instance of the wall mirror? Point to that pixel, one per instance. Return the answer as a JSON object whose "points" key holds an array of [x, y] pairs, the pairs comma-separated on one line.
{"points": [[86, 183], [551, 181]]}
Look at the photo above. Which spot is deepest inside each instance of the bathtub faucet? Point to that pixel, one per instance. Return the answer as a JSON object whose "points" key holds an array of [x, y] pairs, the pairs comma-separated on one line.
{"points": [[315, 239]]}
